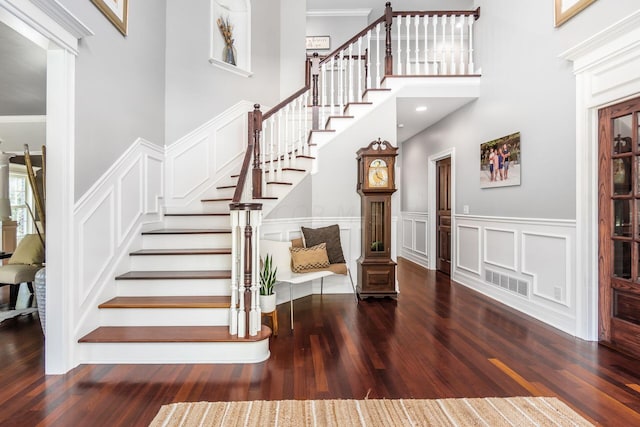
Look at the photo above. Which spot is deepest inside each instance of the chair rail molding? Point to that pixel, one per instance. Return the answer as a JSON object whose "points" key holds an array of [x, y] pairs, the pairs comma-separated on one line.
{"points": [[525, 263], [605, 66]]}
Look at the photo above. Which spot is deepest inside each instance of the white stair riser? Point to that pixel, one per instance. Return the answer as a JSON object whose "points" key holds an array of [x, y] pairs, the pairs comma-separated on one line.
{"points": [[197, 221], [195, 287], [164, 316], [180, 262], [186, 241], [377, 96], [277, 190], [339, 124], [216, 206], [358, 110], [320, 138], [179, 352], [285, 176]]}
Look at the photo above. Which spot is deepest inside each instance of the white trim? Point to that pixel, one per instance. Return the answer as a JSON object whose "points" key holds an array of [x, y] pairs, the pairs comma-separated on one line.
{"points": [[363, 12], [23, 119], [513, 267], [596, 87], [231, 68], [457, 264], [431, 197], [548, 222], [64, 17]]}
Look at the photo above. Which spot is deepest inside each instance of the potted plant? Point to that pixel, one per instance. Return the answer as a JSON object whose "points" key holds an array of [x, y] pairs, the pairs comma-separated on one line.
{"points": [[267, 280]]}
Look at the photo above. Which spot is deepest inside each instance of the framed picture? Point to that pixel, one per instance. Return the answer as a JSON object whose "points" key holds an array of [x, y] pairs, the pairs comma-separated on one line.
{"points": [[318, 42], [500, 162], [567, 9], [116, 11]]}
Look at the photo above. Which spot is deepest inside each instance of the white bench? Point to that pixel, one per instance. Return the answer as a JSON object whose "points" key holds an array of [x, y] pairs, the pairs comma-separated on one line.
{"points": [[281, 258]]}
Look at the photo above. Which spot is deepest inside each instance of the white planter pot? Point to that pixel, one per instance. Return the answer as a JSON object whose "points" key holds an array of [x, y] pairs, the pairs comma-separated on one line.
{"points": [[268, 303]]}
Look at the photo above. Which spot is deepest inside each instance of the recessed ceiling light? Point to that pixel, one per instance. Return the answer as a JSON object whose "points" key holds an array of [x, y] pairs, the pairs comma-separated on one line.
{"points": [[421, 108], [400, 125]]}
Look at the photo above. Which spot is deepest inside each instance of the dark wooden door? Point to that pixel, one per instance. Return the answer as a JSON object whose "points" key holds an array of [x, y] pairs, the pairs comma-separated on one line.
{"points": [[618, 226], [443, 200]]}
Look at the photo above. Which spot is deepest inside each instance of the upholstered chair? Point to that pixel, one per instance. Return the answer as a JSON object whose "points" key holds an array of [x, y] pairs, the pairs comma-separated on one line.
{"points": [[26, 260]]}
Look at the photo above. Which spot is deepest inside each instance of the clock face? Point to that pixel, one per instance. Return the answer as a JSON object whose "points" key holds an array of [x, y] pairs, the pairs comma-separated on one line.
{"points": [[378, 175]]}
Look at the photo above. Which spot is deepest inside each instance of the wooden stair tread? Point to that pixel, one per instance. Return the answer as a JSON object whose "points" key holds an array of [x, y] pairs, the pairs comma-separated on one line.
{"points": [[294, 170], [224, 199], [322, 130], [151, 334], [199, 214], [222, 187], [207, 251], [160, 275], [162, 231], [279, 183], [183, 301], [265, 198], [339, 117]]}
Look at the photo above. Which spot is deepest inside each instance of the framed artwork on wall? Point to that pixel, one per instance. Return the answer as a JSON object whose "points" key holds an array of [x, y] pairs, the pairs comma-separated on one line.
{"points": [[567, 9], [116, 11], [500, 161]]}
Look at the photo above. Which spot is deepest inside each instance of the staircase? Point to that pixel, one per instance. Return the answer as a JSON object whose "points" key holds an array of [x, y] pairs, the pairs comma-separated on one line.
{"points": [[175, 303]]}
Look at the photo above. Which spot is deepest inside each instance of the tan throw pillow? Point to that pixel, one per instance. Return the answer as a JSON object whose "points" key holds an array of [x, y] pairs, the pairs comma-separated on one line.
{"points": [[30, 251], [304, 260], [329, 235]]}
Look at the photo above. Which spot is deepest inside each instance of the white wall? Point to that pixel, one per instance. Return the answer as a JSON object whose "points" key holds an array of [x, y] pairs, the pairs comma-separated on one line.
{"points": [[119, 86], [292, 49], [15, 131], [197, 91]]}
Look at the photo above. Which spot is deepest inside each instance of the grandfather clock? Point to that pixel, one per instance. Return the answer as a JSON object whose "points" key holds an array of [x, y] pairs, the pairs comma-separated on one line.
{"points": [[376, 184]]}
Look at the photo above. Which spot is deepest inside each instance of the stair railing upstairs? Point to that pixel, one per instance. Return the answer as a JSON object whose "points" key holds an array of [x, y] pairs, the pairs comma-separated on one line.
{"points": [[407, 43]]}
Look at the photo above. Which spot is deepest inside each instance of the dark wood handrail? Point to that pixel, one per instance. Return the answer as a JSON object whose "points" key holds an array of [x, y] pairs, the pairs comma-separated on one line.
{"points": [[284, 103], [248, 155], [346, 44], [475, 13]]}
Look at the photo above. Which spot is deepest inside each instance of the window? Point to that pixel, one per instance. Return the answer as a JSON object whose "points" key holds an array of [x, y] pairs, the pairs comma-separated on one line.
{"points": [[20, 195]]}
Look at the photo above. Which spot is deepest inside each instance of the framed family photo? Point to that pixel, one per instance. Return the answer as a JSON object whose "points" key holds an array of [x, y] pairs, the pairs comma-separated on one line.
{"points": [[567, 9], [500, 161], [116, 11]]}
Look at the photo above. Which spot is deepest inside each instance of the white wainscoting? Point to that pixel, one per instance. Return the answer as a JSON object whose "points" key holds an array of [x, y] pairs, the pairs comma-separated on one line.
{"points": [[414, 236], [206, 158], [350, 229], [108, 220], [527, 264]]}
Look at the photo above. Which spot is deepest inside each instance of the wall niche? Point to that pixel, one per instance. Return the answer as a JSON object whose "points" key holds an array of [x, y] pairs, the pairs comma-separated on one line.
{"points": [[231, 36]]}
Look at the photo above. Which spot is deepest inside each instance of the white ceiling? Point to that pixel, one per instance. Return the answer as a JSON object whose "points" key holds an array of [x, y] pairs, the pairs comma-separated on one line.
{"points": [[410, 122], [23, 75]]}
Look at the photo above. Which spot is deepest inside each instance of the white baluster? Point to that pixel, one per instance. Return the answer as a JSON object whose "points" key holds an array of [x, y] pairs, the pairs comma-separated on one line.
{"points": [[436, 67], [369, 70], [263, 159], [323, 101], [461, 24], [471, 66], [255, 314], [300, 124], [341, 88], [408, 60], [378, 49], [280, 144], [350, 79], [452, 44], [235, 250], [359, 65], [305, 134], [417, 55], [332, 91], [443, 56], [242, 320], [398, 72], [272, 149], [426, 44]]}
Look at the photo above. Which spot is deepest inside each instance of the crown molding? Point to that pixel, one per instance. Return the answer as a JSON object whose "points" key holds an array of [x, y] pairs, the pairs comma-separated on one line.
{"points": [[339, 12], [23, 119], [63, 17]]}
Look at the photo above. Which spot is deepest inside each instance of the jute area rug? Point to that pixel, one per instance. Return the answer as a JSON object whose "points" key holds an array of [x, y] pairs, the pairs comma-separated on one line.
{"points": [[513, 411], [4, 315]]}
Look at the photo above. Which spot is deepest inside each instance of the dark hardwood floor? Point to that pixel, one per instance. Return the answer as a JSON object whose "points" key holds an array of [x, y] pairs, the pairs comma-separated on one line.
{"points": [[438, 340]]}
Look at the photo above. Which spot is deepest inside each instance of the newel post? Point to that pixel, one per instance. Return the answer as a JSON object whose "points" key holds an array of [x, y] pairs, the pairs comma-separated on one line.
{"points": [[315, 108], [255, 128], [388, 55]]}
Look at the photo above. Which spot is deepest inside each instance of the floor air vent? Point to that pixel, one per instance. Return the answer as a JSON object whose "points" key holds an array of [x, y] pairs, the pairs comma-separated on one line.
{"points": [[508, 283]]}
